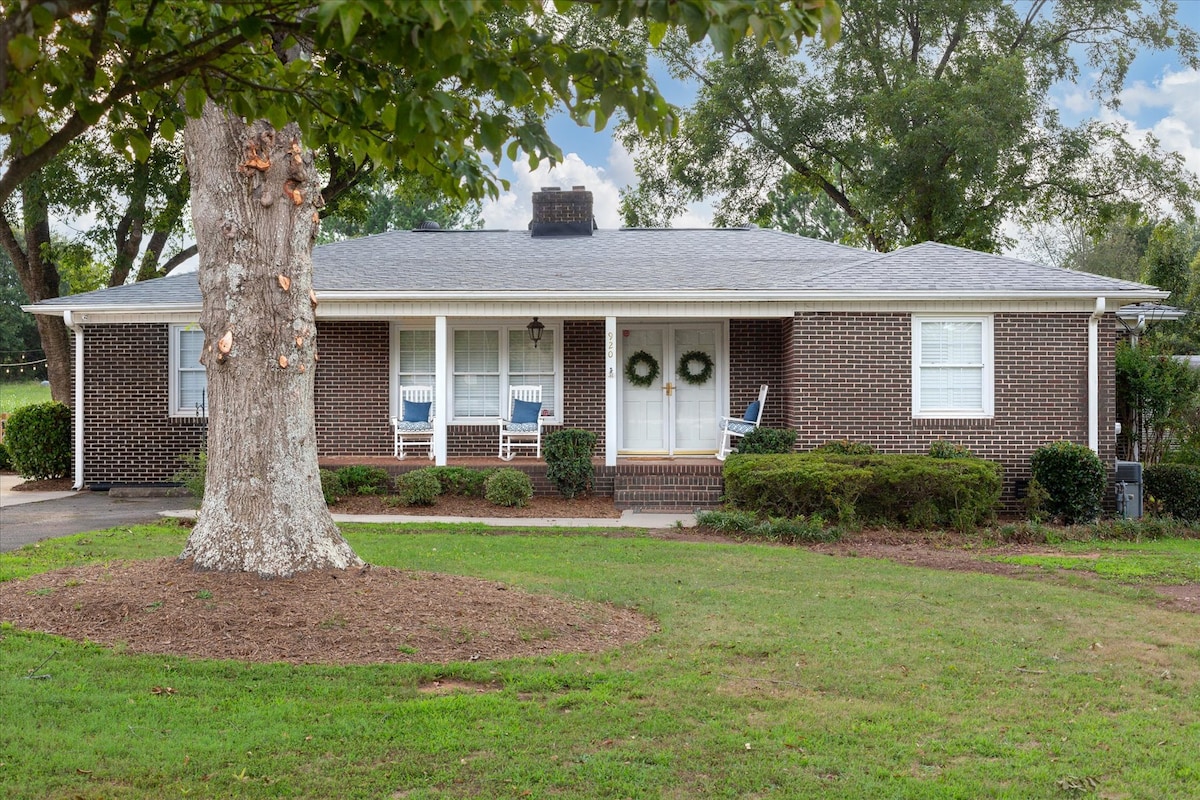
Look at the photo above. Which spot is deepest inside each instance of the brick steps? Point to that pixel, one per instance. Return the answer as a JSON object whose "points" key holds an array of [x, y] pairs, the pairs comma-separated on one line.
{"points": [[667, 486]]}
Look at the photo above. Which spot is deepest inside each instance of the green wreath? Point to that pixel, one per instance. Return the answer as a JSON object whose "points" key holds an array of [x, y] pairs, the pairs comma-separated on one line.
{"points": [[641, 357], [684, 368]]}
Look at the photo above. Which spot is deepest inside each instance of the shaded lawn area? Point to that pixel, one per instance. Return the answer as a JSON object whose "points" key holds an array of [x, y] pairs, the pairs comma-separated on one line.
{"points": [[778, 672]]}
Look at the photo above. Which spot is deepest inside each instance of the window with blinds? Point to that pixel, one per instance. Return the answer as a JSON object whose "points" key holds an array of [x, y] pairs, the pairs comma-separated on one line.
{"points": [[952, 367]]}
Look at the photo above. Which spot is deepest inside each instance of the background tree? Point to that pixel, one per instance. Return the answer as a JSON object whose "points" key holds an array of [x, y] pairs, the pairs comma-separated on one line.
{"points": [[929, 120], [19, 341], [432, 88]]}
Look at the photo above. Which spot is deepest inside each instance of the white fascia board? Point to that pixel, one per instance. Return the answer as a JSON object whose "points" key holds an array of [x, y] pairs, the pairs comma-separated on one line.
{"points": [[92, 314]]}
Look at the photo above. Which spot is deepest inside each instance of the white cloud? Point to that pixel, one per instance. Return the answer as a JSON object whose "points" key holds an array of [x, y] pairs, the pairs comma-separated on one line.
{"points": [[514, 209], [1178, 127]]}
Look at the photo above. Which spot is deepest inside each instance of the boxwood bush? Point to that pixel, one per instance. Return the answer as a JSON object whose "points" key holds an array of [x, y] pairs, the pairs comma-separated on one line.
{"points": [[911, 490], [508, 487], [420, 487], [463, 481], [1176, 487], [1074, 479], [38, 440], [767, 440], [361, 479]]}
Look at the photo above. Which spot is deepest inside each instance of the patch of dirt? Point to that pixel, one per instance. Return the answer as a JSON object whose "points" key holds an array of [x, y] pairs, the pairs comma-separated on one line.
{"points": [[947, 551], [362, 616], [553, 506], [48, 485]]}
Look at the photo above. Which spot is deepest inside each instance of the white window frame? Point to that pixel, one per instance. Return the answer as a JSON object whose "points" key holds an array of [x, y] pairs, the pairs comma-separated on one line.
{"points": [[174, 406], [987, 368], [503, 329]]}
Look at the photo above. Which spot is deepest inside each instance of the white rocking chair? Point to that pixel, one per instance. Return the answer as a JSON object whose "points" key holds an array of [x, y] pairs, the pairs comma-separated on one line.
{"points": [[737, 427], [522, 428], [414, 426]]}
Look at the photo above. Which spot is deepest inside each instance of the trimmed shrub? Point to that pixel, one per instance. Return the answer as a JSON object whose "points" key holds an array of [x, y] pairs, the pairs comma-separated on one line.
{"points": [[5, 460], [360, 479], [1176, 487], [38, 440], [508, 487], [464, 481], [943, 449], [420, 487], [195, 469], [767, 441], [911, 490], [331, 487], [845, 447], [568, 455], [1074, 479]]}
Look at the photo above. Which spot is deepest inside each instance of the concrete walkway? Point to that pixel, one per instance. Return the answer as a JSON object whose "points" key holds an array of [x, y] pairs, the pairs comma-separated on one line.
{"points": [[10, 498], [28, 517]]}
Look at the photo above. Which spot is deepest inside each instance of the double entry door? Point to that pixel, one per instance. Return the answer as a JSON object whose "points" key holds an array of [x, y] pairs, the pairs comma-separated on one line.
{"points": [[669, 413]]}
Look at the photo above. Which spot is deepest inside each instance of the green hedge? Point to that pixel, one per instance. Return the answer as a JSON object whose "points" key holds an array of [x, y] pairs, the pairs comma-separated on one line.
{"points": [[1074, 479], [910, 490], [38, 440], [1176, 487]]}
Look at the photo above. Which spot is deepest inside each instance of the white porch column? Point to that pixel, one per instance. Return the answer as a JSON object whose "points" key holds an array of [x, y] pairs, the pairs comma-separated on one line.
{"points": [[1094, 376], [610, 391], [441, 393], [77, 411]]}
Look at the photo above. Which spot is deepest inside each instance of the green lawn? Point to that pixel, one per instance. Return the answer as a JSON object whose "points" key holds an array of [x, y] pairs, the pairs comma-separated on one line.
{"points": [[16, 394], [778, 673]]}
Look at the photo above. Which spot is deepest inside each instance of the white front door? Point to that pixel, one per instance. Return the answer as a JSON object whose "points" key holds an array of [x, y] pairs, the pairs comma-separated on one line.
{"points": [[667, 414]]}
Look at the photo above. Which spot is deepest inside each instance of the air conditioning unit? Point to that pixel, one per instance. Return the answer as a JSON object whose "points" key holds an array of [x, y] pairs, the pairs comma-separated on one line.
{"points": [[1129, 489]]}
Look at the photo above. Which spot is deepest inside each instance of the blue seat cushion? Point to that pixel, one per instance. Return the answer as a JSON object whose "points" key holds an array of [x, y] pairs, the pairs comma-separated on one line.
{"points": [[413, 427], [751, 414], [525, 411], [521, 427], [415, 412]]}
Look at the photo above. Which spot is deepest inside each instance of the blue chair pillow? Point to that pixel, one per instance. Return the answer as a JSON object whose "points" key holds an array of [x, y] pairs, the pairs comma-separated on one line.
{"points": [[416, 412], [525, 412], [751, 414]]}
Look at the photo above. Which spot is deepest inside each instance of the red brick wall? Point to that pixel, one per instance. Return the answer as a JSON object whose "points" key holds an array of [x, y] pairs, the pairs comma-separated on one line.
{"points": [[128, 435], [850, 378], [352, 389], [755, 358], [583, 377]]}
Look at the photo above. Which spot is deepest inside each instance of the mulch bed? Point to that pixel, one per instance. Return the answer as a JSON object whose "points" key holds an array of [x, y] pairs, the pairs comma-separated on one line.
{"points": [[360, 616]]}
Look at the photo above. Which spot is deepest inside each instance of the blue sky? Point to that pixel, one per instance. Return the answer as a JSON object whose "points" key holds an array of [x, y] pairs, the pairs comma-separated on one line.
{"points": [[1161, 98]]}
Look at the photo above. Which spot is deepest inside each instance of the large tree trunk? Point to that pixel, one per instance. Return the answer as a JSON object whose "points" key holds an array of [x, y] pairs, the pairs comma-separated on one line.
{"points": [[254, 198]]}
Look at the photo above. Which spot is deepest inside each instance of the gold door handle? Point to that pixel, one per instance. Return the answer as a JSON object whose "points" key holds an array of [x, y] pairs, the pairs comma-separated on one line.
{"points": [[669, 388]]}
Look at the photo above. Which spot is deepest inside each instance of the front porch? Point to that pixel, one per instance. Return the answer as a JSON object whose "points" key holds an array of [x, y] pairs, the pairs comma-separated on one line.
{"points": [[643, 484]]}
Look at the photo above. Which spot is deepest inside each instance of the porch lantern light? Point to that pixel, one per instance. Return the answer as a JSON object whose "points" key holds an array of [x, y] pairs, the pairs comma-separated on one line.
{"points": [[535, 329]]}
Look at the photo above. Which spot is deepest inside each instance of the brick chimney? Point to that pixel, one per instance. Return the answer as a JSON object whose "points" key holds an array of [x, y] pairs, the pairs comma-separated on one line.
{"points": [[562, 213]]}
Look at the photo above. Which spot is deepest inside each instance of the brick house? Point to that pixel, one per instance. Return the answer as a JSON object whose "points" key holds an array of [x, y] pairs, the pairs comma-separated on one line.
{"points": [[898, 349]]}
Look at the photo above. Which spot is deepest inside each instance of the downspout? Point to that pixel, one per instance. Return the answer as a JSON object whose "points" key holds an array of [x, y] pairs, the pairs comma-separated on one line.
{"points": [[1094, 376], [77, 412]]}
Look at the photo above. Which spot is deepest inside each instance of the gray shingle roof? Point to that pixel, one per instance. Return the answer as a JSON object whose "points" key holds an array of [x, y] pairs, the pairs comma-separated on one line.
{"points": [[638, 262]]}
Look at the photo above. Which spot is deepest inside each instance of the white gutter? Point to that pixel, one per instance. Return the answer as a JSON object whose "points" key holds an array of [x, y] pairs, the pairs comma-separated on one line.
{"points": [[77, 330], [1094, 376], [591, 297]]}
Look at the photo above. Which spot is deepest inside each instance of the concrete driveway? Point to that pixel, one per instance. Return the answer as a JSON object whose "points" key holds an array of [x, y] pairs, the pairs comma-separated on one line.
{"points": [[27, 517]]}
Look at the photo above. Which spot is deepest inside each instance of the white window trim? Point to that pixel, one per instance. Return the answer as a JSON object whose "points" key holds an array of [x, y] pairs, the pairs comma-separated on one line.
{"points": [[989, 372], [503, 327], [173, 407]]}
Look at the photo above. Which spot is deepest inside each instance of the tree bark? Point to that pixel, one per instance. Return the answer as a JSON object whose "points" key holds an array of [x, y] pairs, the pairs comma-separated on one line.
{"points": [[255, 195]]}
